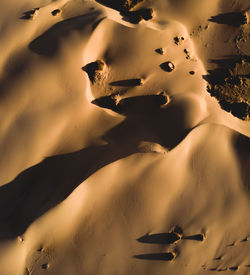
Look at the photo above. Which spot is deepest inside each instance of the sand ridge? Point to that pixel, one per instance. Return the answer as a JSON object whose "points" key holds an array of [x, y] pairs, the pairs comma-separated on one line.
{"points": [[115, 159]]}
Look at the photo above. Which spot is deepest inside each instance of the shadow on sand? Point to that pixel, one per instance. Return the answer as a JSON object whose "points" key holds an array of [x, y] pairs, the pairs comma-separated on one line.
{"points": [[48, 43], [156, 256], [235, 19], [43, 186], [119, 5]]}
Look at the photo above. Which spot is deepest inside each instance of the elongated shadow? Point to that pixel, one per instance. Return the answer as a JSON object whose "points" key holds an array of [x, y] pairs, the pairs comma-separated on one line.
{"points": [[242, 151], [137, 105], [43, 186], [235, 19], [48, 183], [48, 43], [148, 121], [127, 82], [16, 66], [161, 238], [29, 14], [168, 238], [196, 237], [156, 256]]}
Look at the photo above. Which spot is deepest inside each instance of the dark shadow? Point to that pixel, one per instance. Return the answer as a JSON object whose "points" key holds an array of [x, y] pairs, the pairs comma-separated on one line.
{"points": [[43, 186], [92, 69], [125, 8], [106, 102], [119, 5], [94, 26], [29, 14], [16, 65], [161, 238], [116, 5], [242, 152], [197, 237], [48, 43], [167, 66], [127, 82], [55, 12], [135, 17], [148, 122], [230, 60], [233, 268], [156, 256], [138, 105], [217, 76], [235, 19]]}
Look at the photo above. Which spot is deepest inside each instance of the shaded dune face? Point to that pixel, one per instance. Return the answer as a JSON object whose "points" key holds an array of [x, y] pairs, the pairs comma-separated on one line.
{"points": [[138, 179], [131, 67]]}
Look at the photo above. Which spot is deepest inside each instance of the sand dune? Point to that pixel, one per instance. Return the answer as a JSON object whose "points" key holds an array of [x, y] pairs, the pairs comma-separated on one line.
{"points": [[124, 137]]}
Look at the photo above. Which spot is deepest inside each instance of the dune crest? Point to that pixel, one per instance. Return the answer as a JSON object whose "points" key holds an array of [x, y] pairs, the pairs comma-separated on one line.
{"points": [[124, 137]]}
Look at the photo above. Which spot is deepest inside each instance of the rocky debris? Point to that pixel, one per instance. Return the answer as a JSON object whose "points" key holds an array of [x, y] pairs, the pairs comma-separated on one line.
{"points": [[93, 70], [232, 89]]}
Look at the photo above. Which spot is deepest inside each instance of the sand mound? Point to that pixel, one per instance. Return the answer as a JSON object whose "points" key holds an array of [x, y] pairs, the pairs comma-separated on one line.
{"points": [[124, 137]]}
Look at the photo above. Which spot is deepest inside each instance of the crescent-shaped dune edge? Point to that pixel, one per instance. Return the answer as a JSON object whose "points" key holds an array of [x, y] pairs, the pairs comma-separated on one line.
{"points": [[124, 137]]}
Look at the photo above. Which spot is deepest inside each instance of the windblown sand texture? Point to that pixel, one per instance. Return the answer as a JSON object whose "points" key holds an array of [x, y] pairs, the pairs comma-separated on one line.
{"points": [[124, 145]]}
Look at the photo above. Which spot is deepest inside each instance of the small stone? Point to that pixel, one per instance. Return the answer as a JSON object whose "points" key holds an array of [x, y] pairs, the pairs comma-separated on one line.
{"points": [[167, 66], [56, 12], [45, 266], [176, 40], [20, 239], [159, 51]]}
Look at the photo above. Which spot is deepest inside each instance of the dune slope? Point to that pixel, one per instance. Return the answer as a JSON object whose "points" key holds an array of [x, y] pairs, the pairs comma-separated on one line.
{"points": [[124, 137]]}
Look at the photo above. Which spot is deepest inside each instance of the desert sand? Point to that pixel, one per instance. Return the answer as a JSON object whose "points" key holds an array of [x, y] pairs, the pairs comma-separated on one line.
{"points": [[124, 137]]}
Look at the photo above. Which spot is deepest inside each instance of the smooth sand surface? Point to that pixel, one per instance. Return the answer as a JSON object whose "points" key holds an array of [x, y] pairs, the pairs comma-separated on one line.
{"points": [[124, 137]]}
